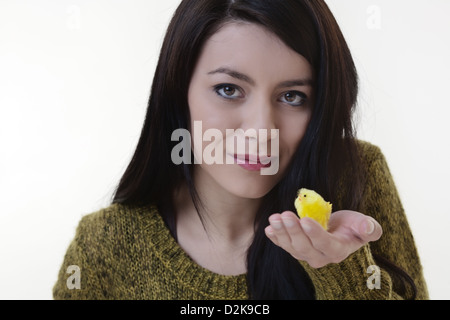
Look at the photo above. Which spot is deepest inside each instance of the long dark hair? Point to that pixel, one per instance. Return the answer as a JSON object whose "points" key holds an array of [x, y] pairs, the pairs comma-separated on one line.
{"points": [[328, 147]]}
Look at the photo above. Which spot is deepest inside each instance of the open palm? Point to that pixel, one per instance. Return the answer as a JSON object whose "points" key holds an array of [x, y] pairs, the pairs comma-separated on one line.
{"points": [[306, 240]]}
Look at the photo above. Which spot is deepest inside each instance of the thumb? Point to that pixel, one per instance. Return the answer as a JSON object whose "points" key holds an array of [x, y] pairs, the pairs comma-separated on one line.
{"points": [[368, 229]]}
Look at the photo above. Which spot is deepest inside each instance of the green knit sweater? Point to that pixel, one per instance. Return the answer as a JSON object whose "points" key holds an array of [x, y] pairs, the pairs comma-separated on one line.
{"points": [[124, 252]]}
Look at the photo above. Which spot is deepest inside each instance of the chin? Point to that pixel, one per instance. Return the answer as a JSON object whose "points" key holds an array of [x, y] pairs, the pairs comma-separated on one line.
{"points": [[247, 185], [236, 182], [251, 194]]}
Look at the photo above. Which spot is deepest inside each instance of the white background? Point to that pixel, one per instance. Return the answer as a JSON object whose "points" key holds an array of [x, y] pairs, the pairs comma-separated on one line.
{"points": [[74, 82]]}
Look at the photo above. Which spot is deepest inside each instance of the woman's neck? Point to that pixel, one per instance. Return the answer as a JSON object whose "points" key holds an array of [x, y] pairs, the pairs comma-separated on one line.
{"points": [[218, 236]]}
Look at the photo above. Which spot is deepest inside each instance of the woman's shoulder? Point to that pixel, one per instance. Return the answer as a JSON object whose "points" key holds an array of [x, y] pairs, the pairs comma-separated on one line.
{"points": [[114, 221], [374, 163], [368, 151], [112, 214], [371, 155]]}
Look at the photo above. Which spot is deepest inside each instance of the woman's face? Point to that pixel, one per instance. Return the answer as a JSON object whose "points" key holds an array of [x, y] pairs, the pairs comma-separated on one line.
{"points": [[247, 78]]}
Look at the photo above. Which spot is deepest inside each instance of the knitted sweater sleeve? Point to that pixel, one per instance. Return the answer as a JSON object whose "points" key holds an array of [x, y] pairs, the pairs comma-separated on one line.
{"points": [[85, 258], [362, 275]]}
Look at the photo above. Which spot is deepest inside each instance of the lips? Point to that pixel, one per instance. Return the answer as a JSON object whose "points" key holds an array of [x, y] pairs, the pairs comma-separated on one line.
{"points": [[253, 162]]}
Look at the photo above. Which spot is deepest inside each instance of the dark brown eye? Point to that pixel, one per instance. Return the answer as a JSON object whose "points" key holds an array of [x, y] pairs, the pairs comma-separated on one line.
{"points": [[304, 196], [229, 91], [290, 97], [294, 98]]}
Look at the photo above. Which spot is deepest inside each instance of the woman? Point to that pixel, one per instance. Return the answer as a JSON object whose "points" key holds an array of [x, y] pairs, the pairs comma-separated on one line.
{"points": [[277, 72]]}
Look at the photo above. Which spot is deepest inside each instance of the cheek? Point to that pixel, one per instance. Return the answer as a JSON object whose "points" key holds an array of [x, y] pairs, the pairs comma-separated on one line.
{"points": [[290, 139], [208, 126], [203, 106], [294, 129], [198, 108]]}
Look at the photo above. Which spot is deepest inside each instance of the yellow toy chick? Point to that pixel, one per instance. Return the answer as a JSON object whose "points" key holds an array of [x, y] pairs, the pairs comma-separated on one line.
{"points": [[310, 204]]}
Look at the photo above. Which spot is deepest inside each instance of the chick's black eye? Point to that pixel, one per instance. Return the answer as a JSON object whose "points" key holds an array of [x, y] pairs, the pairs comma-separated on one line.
{"points": [[304, 196]]}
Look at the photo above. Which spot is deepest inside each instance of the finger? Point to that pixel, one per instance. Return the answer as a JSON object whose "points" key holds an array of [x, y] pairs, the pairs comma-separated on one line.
{"points": [[323, 241], [302, 248], [369, 229], [364, 228], [279, 231], [270, 233], [299, 240]]}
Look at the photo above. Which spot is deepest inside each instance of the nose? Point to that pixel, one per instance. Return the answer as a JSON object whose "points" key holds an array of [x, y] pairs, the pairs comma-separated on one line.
{"points": [[260, 117]]}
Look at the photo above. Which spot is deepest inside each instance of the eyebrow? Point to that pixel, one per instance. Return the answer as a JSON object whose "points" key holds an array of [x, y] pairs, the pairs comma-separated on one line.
{"points": [[234, 74], [243, 77]]}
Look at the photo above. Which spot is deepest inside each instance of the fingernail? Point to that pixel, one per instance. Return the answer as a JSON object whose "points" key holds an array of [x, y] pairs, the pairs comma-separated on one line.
{"points": [[276, 224], [370, 227], [289, 223], [306, 227], [269, 231]]}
